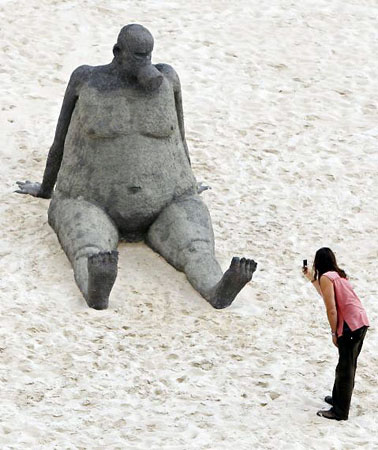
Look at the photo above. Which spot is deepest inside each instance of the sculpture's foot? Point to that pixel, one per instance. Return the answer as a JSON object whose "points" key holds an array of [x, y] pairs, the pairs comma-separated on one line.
{"points": [[232, 282], [102, 272]]}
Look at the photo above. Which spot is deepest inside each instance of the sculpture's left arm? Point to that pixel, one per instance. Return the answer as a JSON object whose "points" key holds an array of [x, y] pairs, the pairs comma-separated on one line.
{"points": [[180, 117], [171, 74]]}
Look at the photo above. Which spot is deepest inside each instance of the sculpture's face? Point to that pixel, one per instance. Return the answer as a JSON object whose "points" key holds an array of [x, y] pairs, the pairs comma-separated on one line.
{"points": [[134, 55]]}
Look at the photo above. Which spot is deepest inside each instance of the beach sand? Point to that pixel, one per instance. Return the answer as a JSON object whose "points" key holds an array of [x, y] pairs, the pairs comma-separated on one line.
{"points": [[280, 102]]}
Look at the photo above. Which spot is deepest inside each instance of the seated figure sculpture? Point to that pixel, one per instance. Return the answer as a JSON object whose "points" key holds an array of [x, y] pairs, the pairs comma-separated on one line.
{"points": [[120, 167]]}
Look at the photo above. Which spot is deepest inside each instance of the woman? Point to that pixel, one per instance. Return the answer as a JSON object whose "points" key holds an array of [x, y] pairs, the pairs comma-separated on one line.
{"points": [[348, 321]]}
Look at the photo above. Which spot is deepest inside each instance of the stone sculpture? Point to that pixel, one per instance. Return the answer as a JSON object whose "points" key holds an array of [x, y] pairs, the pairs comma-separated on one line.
{"points": [[121, 167]]}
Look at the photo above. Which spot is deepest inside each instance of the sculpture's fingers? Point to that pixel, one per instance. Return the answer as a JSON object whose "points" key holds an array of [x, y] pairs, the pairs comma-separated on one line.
{"points": [[19, 191], [202, 187]]}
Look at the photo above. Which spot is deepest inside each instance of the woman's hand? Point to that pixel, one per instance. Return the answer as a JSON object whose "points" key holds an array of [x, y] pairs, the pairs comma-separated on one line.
{"points": [[334, 340], [308, 273]]}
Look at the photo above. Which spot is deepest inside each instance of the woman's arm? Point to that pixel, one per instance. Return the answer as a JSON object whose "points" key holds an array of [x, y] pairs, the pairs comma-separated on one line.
{"points": [[328, 293], [316, 285], [310, 276]]}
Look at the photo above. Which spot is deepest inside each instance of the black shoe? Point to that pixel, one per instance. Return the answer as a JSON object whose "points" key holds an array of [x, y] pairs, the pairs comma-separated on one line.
{"points": [[328, 399], [329, 414]]}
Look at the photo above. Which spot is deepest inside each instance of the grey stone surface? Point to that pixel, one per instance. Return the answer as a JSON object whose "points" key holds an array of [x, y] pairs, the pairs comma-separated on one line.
{"points": [[121, 170]]}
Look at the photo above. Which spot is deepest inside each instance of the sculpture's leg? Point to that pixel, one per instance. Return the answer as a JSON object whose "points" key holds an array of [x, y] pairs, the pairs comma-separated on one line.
{"points": [[90, 239], [183, 235]]}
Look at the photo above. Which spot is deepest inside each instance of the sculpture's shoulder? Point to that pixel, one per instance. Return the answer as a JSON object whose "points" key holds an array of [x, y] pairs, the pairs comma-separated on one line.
{"points": [[80, 76], [170, 74]]}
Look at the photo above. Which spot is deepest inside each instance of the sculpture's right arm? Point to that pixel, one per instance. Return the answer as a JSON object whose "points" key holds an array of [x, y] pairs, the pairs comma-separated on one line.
{"points": [[54, 158], [55, 155]]}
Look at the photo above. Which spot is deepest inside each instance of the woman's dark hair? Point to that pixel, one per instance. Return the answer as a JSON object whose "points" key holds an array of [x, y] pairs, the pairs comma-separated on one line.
{"points": [[325, 261]]}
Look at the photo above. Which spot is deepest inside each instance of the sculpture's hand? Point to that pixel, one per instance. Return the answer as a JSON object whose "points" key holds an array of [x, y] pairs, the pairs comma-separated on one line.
{"points": [[202, 187], [34, 189]]}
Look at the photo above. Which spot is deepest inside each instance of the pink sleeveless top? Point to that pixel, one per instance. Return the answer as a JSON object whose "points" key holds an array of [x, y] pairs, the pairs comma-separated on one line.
{"points": [[348, 305]]}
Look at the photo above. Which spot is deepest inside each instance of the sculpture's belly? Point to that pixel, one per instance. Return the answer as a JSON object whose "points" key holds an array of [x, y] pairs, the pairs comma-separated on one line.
{"points": [[132, 177]]}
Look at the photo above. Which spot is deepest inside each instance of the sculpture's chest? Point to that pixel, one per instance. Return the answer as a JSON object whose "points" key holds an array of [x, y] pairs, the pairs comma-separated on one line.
{"points": [[126, 111]]}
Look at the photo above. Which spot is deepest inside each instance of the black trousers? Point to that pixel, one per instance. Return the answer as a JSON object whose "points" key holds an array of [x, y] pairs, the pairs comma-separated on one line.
{"points": [[350, 344]]}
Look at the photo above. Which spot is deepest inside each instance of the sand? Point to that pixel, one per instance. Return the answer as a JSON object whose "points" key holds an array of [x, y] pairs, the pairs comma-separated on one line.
{"points": [[280, 103]]}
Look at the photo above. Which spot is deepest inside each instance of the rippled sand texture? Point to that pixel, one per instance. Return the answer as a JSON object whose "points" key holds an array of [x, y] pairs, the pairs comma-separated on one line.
{"points": [[280, 103]]}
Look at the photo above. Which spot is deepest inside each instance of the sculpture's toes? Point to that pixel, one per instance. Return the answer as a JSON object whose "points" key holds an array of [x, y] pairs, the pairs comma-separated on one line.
{"points": [[250, 268], [98, 304], [102, 272], [243, 269], [235, 278], [103, 261], [235, 263]]}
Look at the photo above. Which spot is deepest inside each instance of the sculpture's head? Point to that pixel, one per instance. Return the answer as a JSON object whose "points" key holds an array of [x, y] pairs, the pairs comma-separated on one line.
{"points": [[133, 53]]}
